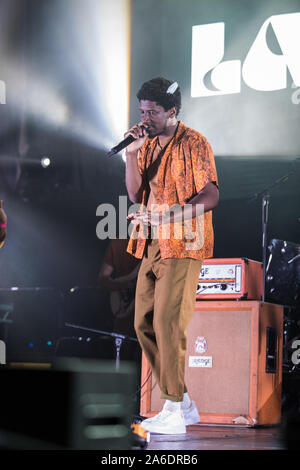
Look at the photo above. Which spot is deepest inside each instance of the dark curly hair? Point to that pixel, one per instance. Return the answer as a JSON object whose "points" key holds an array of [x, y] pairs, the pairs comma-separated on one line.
{"points": [[156, 90]]}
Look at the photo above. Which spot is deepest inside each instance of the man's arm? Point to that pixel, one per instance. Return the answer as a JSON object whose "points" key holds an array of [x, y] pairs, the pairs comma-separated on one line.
{"points": [[119, 283], [208, 196], [134, 180]]}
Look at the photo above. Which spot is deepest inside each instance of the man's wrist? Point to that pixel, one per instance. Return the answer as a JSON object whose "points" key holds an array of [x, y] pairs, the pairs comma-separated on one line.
{"points": [[131, 154], [170, 217]]}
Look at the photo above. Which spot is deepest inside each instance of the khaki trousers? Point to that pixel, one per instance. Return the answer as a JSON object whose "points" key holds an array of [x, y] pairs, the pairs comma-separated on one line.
{"points": [[164, 305]]}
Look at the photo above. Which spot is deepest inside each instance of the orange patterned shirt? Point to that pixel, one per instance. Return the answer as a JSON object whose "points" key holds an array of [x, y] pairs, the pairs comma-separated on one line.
{"points": [[187, 165]]}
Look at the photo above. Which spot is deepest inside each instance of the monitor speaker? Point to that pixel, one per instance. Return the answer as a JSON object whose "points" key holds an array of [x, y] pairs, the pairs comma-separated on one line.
{"points": [[76, 404]]}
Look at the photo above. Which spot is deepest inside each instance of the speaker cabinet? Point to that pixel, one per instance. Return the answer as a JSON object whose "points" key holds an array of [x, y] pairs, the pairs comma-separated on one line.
{"points": [[233, 368]]}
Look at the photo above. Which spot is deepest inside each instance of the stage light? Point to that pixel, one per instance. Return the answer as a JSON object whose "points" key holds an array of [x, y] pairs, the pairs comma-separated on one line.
{"points": [[88, 96], [105, 81], [45, 162], [116, 98]]}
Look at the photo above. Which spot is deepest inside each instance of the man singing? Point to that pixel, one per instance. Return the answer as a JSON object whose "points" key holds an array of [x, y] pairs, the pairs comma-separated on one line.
{"points": [[170, 171]]}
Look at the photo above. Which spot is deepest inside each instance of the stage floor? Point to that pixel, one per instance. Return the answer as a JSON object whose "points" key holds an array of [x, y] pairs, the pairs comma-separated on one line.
{"points": [[211, 437]]}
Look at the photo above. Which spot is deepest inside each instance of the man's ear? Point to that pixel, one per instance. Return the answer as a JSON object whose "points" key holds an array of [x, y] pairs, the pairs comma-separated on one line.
{"points": [[172, 112]]}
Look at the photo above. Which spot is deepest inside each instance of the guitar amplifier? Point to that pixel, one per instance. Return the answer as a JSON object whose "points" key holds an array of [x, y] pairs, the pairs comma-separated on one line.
{"points": [[230, 278]]}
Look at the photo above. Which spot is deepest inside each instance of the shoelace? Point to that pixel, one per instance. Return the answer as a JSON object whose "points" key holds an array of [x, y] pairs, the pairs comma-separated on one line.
{"points": [[163, 415]]}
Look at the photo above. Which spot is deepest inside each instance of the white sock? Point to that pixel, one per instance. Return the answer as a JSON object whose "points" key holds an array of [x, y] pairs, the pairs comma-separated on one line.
{"points": [[186, 401], [172, 405]]}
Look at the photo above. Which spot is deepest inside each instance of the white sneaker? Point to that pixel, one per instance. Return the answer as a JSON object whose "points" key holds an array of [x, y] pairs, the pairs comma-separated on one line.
{"points": [[166, 422], [190, 414]]}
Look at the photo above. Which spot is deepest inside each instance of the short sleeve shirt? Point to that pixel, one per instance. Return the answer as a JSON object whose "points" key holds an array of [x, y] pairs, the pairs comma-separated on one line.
{"points": [[186, 166]]}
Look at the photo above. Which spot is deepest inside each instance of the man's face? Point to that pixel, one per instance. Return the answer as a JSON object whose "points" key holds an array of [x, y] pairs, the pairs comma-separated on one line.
{"points": [[155, 117]]}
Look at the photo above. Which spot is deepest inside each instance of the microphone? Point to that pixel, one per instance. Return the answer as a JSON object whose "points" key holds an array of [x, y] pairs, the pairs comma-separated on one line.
{"points": [[123, 144]]}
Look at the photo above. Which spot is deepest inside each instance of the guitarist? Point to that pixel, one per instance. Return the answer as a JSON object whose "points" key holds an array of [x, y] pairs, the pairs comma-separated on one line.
{"points": [[118, 274]]}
